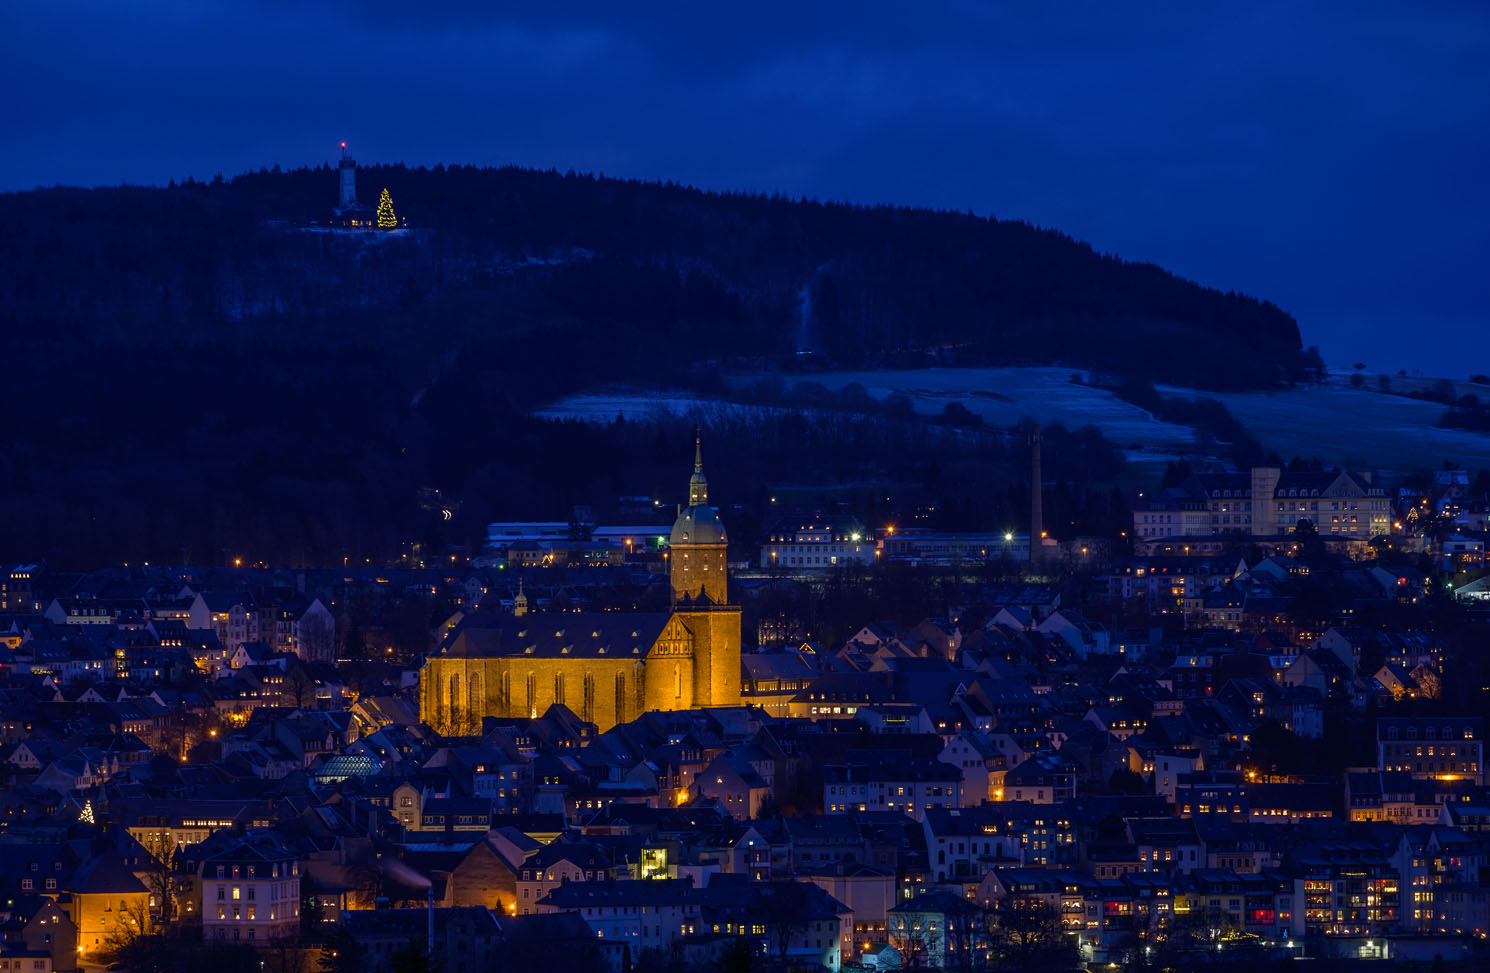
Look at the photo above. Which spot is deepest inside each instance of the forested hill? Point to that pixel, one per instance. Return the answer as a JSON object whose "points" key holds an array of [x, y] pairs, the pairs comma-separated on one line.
{"points": [[737, 275], [197, 369]]}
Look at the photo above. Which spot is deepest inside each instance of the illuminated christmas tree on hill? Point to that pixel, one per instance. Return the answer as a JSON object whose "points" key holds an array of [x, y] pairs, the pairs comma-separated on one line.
{"points": [[353, 215], [386, 219]]}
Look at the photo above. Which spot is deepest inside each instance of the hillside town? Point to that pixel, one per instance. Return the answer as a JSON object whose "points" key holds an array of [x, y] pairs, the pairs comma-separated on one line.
{"points": [[1251, 728]]}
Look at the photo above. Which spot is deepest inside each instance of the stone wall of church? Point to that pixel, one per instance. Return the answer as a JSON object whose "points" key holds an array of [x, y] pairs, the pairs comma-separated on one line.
{"points": [[455, 693], [716, 639], [698, 567], [669, 681]]}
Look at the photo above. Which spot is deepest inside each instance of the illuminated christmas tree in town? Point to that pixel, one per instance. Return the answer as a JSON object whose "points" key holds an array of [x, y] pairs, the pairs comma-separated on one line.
{"points": [[386, 219]]}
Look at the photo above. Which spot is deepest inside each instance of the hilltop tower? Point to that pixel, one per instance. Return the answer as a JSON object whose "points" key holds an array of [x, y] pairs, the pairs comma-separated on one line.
{"points": [[347, 168]]}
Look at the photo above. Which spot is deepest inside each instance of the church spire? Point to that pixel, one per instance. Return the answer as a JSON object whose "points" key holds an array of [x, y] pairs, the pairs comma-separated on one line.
{"points": [[698, 486]]}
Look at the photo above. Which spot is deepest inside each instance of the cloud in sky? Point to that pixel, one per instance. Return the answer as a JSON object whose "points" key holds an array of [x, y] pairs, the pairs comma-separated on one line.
{"points": [[1330, 157]]}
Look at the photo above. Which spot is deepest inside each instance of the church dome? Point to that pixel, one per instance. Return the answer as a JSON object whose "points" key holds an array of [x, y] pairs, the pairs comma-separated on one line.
{"points": [[697, 525]]}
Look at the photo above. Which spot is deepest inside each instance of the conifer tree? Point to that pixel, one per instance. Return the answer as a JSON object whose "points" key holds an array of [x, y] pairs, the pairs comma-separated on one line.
{"points": [[386, 219]]}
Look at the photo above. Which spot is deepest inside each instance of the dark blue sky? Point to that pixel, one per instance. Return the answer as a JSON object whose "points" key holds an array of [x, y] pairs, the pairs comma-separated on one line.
{"points": [[1332, 156]]}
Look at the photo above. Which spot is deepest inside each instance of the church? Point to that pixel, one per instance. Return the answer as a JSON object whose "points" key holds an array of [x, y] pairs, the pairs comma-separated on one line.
{"points": [[607, 667]]}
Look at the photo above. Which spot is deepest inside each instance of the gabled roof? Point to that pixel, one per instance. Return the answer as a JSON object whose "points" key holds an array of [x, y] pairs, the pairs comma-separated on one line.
{"points": [[656, 893], [105, 875], [940, 902], [582, 634], [582, 854], [411, 924]]}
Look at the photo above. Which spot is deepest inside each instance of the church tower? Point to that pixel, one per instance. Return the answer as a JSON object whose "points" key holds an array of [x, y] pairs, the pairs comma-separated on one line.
{"points": [[698, 543], [701, 593], [605, 667]]}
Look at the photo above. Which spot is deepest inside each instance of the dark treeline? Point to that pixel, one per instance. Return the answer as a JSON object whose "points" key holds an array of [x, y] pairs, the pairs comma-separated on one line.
{"points": [[764, 464], [1211, 420], [1467, 411], [188, 499], [188, 379], [1475, 418], [884, 282]]}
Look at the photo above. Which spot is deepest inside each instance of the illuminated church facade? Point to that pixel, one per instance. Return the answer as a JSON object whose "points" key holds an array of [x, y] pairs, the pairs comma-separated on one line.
{"points": [[607, 667]]}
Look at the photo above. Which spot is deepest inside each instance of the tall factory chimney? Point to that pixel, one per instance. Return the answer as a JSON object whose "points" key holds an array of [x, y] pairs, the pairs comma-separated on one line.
{"points": [[1037, 549]]}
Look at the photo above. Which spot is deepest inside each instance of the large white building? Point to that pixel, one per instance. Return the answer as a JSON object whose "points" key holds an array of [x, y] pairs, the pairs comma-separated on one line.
{"points": [[817, 544], [1266, 502], [920, 546], [250, 891]]}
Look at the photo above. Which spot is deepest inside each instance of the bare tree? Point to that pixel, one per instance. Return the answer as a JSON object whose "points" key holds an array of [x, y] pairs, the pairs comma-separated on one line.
{"points": [[788, 914], [131, 932], [160, 880], [299, 686], [912, 940], [1027, 933]]}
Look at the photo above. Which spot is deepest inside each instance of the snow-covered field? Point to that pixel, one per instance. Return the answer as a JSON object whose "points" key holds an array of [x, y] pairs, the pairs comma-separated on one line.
{"points": [[603, 405], [1004, 396], [1357, 428]]}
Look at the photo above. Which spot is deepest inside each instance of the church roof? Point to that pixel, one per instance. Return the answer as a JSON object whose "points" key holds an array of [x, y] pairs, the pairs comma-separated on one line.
{"points": [[582, 634], [697, 525]]}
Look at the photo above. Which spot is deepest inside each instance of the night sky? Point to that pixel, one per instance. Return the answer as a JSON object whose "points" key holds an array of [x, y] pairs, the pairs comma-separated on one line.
{"points": [[1333, 157]]}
